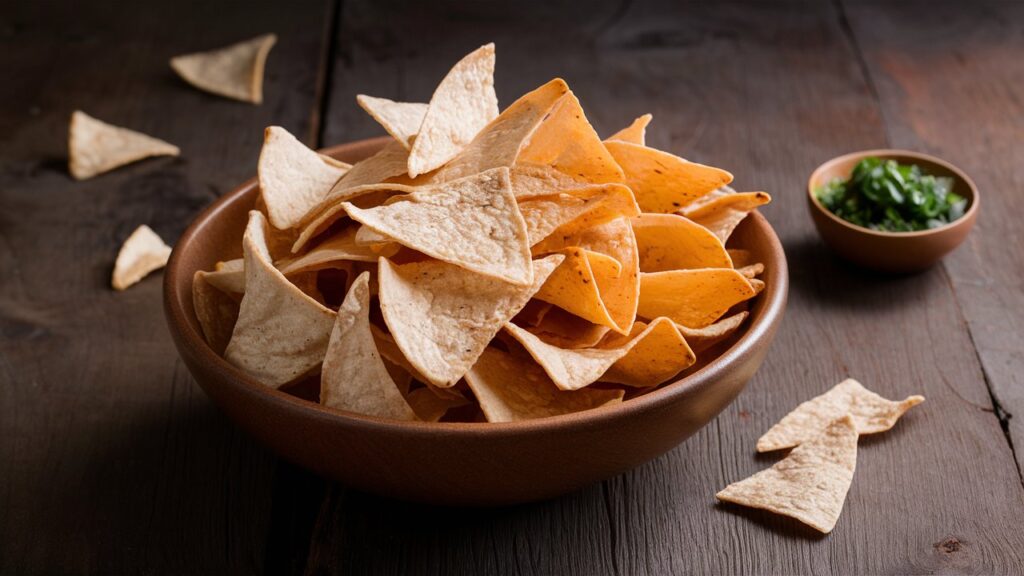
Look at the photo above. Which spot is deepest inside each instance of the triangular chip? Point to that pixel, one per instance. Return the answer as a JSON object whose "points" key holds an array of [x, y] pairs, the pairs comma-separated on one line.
{"points": [[95, 147], [281, 333], [810, 484], [228, 276], [661, 181], [693, 298], [722, 215], [401, 119], [871, 414], [473, 222], [566, 330], [530, 181], [568, 369], [635, 132], [387, 163], [293, 179], [511, 388], [338, 248], [442, 316], [354, 376], [216, 311], [390, 351], [329, 212], [701, 339], [142, 253], [573, 286], [463, 103], [751, 271], [234, 71], [656, 352], [584, 207], [673, 242]]}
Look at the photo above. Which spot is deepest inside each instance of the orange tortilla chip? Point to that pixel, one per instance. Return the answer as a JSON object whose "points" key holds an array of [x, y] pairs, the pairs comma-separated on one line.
{"points": [[235, 71], [293, 179], [354, 376], [566, 330], [635, 133], [584, 207], [723, 214], [443, 316], [656, 352], [401, 119], [672, 242], [661, 181], [95, 147], [573, 286], [693, 298], [512, 388]]}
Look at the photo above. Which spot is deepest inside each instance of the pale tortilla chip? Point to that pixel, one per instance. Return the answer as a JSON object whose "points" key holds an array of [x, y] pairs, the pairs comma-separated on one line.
{"points": [[693, 298], [229, 278], [463, 103], [584, 207], [722, 215], [293, 179], [566, 330], [530, 181], [870, 412], [401, 119], [499, 143], [810, 484], [390, 351], [234, 71], [430, 407], [661, 181], [387, 163], [95, 147], [573, 286], [142, 253], [700, 339], [341, 247], [511, 388], [673, 242], [354, 376], [216, 311], [442, 316], [567, 142], [281, 333], [657, 352], [635, 133], [333, 210], [473, 223], [533, 313]]}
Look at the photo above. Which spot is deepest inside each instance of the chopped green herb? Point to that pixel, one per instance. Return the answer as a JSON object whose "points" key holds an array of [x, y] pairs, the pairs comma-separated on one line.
{"points": [[889, 197]]}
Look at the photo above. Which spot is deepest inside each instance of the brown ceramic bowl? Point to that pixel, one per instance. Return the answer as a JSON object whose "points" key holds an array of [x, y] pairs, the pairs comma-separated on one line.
{"points": [[891, 251], [461, 463]]}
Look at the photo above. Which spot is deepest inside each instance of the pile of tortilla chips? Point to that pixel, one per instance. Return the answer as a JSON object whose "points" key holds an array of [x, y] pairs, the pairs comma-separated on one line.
{"points": [[482, 266]]}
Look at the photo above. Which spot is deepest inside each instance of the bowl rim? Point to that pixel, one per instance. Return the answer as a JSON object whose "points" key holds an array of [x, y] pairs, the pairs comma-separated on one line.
{"points": [[758, 328], [891, 153]]}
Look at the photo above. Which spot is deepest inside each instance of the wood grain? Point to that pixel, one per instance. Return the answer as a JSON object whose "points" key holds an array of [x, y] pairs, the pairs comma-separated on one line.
{"points": [[113, 460]]}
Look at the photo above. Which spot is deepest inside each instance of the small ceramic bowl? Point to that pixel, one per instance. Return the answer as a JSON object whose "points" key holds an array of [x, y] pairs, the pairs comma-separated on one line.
{"points": [[462, 463], [891, 251]]}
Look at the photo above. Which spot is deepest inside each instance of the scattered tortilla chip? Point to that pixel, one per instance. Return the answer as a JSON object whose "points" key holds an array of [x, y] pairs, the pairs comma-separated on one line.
{"points": [[751, 271], [810, 484], [584, 208], [354, 376], [573, 286], [700, 339], [95, 147], [871, 414], [661, 181], [566, 330], [430, 407], [401, 119], [293, 179], [473, 223], [512, 388], [722, 215], [281, 333], [693, 298], [656, 352], [142, 253], [339, 248], [216, 311], [635, 133], [442, 316], [673, 242], [234, 71], [463, 103]]}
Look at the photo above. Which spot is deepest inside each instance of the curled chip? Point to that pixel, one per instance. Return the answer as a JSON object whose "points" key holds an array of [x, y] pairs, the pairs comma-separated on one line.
{"points": [[722, 214], [293, 179], [95, 147], [693, 298], [401, 119], [661, 181], [235, 71], [672, 242], [142, 253]]}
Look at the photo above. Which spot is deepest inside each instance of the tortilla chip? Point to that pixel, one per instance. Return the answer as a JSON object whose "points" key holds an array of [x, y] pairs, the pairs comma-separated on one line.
{"points": [[756, 284], [329, 212], [390, 351], [693, 298], [430, 407], [442, 316], [673, 242], [573, 286], [531, 181], [584, 207], [810, 484], [234, 71], [635, 133], [228, 277], [216, 311], [740, 257], [568, 369], [512, 388], [615, 238], [870, 412], [751, 271], [722, 215], [566, 330], [401, 119], [95, 147], [661, 181], [656, 352], [700, 339], [387, 163], [499, 143], [533, 313], [142, 253], [341, 247], [463, 103], [473, 223], [281, 333], [293, 179], [354, 376]]}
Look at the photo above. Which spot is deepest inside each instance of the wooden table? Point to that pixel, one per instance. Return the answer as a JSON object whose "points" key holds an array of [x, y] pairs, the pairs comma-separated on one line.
{"points": [[113, 461]]}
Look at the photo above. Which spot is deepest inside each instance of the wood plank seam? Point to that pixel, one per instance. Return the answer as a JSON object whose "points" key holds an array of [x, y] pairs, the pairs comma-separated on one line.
{"points": [[325, 79]]}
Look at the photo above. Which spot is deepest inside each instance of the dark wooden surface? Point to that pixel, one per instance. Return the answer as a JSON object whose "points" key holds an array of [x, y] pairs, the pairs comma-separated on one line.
{"points": [[112, 460]]}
